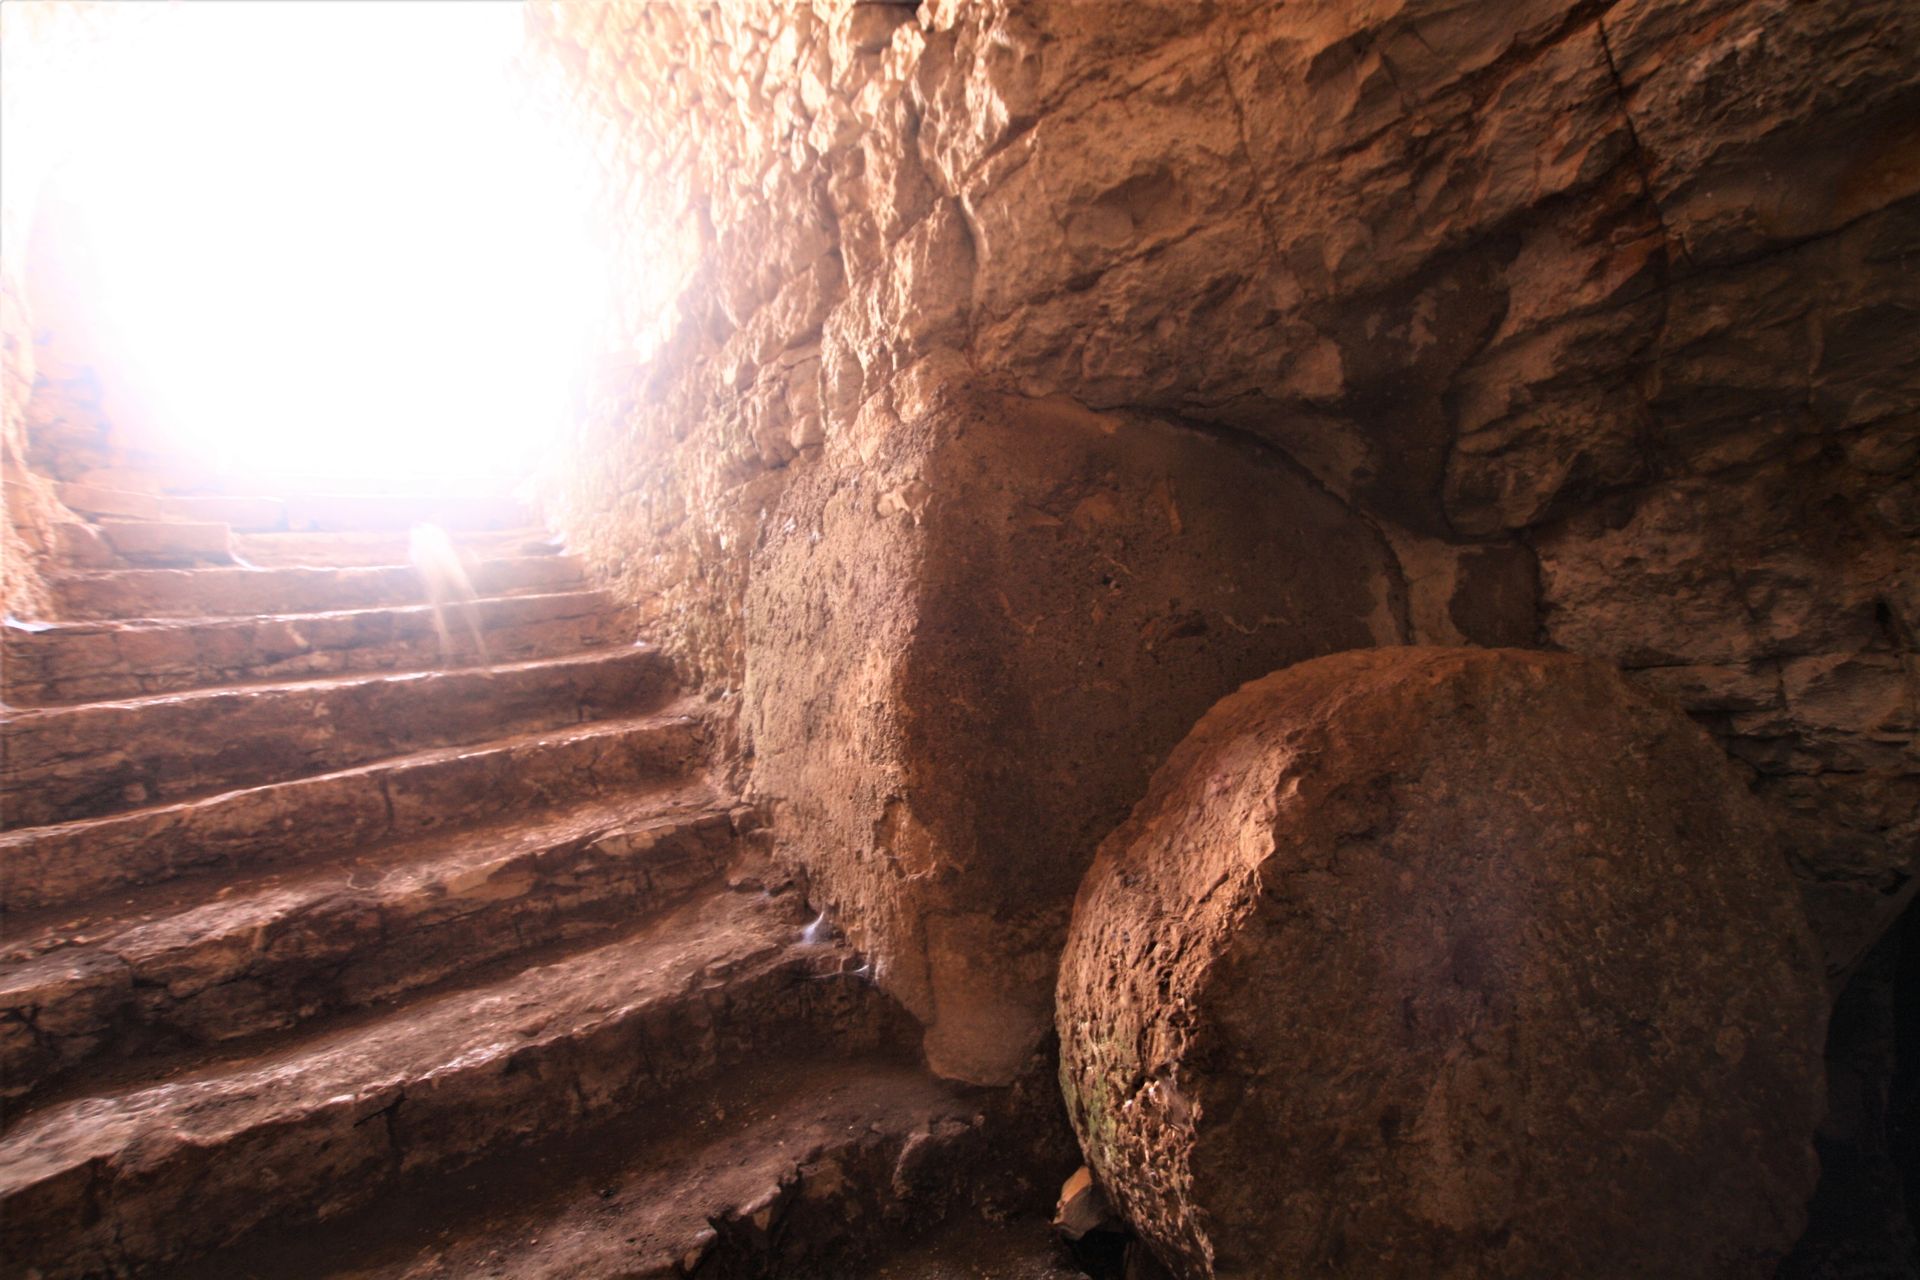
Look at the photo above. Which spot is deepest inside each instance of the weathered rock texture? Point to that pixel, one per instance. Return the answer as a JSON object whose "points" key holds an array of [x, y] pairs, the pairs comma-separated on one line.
{"points": [[23, 496], [966, 656], [1603, 313], [28, 508], [492, 921], [53, 419], [1601, 316], [1443, 962]]}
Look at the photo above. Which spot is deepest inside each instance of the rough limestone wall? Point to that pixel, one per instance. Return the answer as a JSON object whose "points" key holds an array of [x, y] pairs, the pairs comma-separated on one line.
{"points": [[27, 505], [1605, 313], [34, 40], [53, 423], [725, 264], [964, 695]]}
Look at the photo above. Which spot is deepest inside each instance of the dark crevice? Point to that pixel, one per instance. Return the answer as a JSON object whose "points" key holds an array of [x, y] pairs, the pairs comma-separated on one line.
{"points": [[1860, 1222], [1633, 136], [1399, 596]]}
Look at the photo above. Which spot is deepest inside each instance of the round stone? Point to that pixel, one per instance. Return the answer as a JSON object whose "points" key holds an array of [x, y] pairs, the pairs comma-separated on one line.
{"points": [[1446, 962]]}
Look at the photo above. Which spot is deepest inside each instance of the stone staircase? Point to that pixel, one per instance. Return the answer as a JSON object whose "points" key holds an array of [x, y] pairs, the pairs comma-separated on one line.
{"points": [[323, 957]]}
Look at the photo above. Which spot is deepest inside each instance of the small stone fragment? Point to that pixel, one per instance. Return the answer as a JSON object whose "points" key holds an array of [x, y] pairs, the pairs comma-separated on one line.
{"points": [[1082, 1208]]}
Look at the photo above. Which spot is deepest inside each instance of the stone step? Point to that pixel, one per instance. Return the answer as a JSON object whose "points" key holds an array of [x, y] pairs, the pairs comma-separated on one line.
{"points": [[71, 865], [313, 940], [150, 471], [761, 1171], [171, 475], [168, 542], [104, 500], [126, 1180], [67, 763], [382, 547], [249, 514], [253, 504], [398, 510], [81, 546], [49, 664], [124, 479], [227, 592]]}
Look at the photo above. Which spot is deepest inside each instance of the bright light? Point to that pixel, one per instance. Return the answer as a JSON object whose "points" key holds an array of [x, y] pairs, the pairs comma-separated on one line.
{"points": [[336, 238]]}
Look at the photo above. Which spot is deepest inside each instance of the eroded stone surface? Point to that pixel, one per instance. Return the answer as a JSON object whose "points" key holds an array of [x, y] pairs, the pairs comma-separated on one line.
{"points": [[99, 500], [175, 1168], [1507, 278], [754, 1173], [65, 763], [381, 546], [351, 932], [161, 542], [315, 510], [51, 867], [195, 593], [251, 514], [1422, 962], [76, 662], [1603, 313], [967, 655], [249, 1013]]}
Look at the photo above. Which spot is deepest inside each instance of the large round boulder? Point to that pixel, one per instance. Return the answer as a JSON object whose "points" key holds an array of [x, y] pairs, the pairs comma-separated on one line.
{"points": [[1438, 962]]}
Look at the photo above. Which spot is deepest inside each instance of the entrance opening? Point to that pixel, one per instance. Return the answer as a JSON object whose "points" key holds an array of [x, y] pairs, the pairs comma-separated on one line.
{"points": [[333, 240]]}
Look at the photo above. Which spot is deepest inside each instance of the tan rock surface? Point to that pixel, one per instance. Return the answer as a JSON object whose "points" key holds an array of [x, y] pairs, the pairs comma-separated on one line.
{"points": [[952, 701], [353, 931], [44, 867], [174, 1168], [1432, 962], [1518, 282], [65, 763], [1603, 317], [517, 972], [88, 661]]}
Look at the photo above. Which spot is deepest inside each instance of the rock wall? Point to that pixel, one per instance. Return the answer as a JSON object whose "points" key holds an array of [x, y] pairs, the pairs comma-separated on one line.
{"points": [[59, 374], [1603, 314], [32, 42], [27, 504], [967, 654]]}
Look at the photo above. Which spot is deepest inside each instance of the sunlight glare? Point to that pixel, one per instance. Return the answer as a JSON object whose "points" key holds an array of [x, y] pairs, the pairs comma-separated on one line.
{"points": [[336, 237]]}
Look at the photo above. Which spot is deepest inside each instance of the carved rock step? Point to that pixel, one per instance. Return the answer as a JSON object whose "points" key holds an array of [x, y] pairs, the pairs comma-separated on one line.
{"points": [[92, 499], [746, 1174], [50, 868], [320, 939], [117, 1182], [123, 479], [217, 592], [330, 511], [65, 763], [66, 662], [168, 542], [398, 510], [384, 547], [236, 513], [177, 477]]}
